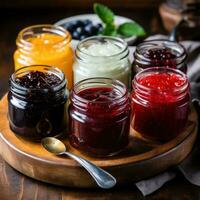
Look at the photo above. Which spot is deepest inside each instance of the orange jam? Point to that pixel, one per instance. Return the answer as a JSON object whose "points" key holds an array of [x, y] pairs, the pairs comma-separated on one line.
{"points": [[45, 45]]}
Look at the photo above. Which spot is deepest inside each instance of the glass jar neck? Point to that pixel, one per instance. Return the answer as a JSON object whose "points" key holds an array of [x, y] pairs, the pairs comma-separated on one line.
{"points": [[175, 92], [25, 38], [117, 88], [54, 93], [86, 54], [142, 60]]}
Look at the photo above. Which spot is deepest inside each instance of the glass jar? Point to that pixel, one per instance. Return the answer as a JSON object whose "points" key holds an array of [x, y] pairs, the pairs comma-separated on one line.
{"points": [[159, 53], [160, 103], [45, 45], [102, 56], [35, 113], [99, 116]]}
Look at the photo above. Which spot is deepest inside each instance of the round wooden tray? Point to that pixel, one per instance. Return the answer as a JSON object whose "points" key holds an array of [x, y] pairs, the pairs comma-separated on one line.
{"points": [[139, 161]]}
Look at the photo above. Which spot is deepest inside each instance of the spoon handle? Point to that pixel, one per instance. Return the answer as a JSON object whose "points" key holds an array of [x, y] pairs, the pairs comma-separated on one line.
{"points": [[102, 178]]}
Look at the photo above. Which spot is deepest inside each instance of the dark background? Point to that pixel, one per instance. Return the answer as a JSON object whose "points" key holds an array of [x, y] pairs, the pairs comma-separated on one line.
{"points": [[18, 14]]}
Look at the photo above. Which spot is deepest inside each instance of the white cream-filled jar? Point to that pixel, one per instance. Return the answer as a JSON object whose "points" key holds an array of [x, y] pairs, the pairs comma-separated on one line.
{"points": [[102, 56]]}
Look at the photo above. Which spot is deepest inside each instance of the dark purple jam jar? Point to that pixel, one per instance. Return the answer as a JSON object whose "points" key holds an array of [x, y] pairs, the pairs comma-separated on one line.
{"points": [[37, 102], [99, 116], [159, 53]]}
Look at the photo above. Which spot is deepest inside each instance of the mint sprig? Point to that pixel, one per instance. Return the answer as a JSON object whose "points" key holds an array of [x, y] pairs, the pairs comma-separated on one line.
{"points": [[109, 30], [104, 13], [129, 29], [126, 29]]}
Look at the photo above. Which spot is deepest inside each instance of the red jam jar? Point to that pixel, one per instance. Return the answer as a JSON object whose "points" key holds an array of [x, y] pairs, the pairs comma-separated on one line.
{"points": [[160, 103], [159, 53], [99, 116]]}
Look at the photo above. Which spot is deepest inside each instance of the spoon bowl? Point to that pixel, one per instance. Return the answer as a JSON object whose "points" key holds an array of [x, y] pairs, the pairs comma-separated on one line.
{"points": [[53, 145]]}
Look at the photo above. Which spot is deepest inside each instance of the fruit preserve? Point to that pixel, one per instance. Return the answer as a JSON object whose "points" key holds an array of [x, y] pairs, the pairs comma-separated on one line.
{"points": [[102, 56], [159, 53], [99, 116], [37, 102], [46, 45], [160, 103]]}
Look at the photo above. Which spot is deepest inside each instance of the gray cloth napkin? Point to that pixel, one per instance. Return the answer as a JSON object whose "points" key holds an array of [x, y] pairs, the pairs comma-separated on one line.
{"points": [[190, 167]]}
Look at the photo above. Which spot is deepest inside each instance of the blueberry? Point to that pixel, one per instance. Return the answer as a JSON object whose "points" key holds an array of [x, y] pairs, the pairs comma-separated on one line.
{"points": [[80, 30], [75, 35], [83, 37], [79, 23], [88, 29], [91, 30], [69, 26], [94, 30], [99, 27], [87, 22]]}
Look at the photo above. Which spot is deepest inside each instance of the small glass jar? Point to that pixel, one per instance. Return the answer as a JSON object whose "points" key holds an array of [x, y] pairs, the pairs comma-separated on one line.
{"points": [[160, 103], [159, 53], [36, 113], [99, 116], [45, 45], [102, 56]]}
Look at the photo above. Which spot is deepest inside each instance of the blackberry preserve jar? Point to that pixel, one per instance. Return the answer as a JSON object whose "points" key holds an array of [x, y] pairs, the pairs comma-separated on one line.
{"points": [[160, 103], [159, 53], [37, 102], [99, 116]]}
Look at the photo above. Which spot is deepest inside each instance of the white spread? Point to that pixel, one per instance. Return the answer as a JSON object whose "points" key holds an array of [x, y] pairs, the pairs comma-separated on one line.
{"points": [[97, 58]]}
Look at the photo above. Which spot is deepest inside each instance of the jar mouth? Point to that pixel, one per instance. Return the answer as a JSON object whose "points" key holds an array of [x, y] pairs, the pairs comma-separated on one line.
{"points": [[35, 30], [156, 70], [120, 43], [178, 49], [99, 82], [41, 68]]}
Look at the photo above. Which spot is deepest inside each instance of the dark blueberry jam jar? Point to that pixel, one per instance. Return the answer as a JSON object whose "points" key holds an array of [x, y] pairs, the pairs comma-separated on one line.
{"points": [[37, 102], [99, 116], [159, 53]]}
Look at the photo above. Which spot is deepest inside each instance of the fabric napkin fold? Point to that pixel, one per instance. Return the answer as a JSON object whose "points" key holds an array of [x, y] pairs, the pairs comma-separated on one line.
{"points": [[148, 186], [190, 167]]}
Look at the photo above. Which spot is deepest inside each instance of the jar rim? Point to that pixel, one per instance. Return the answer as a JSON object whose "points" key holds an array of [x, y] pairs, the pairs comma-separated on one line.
{"points": [[161, 43], [56, 71], [55, 29], [100, 80], [102, 38], [178, 89]]}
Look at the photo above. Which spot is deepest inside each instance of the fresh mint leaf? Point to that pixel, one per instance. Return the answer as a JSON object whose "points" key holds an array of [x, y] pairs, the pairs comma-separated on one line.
{"points": [[109, 30], [104, 13], [129, 29]]}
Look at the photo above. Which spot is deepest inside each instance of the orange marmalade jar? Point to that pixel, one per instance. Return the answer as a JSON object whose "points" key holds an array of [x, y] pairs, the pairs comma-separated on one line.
{"points": [[45, 45]]}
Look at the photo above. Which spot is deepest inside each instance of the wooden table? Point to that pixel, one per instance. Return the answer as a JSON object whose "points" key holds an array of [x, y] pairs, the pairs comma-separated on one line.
{"points": [[15, 186]]}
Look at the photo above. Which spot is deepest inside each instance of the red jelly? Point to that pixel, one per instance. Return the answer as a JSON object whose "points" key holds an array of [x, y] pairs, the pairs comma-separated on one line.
{"points": [[99, 116], [160, 103]]}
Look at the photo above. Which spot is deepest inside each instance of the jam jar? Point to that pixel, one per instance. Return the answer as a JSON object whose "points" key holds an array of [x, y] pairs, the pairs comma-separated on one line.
{"points": [[37, 102], [159, 53], [160, 103], [102, 56], [45, 44], [99, 116]]}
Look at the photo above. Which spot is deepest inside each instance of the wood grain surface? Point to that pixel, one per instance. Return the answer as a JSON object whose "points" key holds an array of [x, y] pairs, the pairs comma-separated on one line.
{"points": [[16, 186], [31, 159]]}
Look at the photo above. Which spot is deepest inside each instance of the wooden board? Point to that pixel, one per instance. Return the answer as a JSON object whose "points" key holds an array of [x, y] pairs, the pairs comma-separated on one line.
{"points": [[139, 161]]}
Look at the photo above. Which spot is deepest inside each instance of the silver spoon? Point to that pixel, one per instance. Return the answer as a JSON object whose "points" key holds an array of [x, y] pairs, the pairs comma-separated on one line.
{"points": [[102, 178]]}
